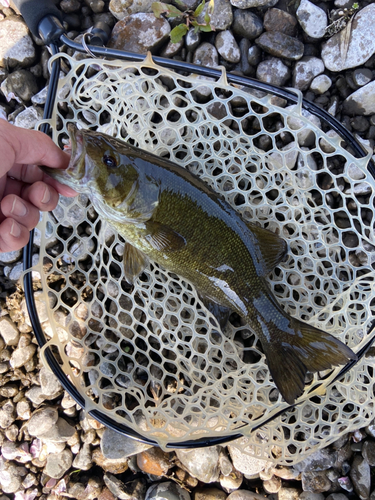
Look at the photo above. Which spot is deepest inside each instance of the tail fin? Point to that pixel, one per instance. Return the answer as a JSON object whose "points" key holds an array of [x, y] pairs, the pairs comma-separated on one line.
{"points": [[290, 356]]}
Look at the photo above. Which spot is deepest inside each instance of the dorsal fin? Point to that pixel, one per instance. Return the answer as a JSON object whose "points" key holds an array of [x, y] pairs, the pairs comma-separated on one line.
{"points": [[271, 249]]}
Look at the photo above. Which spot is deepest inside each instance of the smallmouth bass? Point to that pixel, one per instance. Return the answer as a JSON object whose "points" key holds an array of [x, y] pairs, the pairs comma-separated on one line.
{"points": [[171, 216]]}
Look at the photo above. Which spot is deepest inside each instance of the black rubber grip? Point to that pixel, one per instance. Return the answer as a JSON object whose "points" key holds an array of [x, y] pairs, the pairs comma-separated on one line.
{"points": [[33, 11]]}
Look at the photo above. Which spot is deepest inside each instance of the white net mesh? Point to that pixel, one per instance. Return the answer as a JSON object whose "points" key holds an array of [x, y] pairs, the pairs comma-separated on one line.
{"points": [[150, 355]]}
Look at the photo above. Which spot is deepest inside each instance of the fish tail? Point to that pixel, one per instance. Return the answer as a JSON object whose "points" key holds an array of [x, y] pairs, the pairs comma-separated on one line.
{"points": [[290, 356]]}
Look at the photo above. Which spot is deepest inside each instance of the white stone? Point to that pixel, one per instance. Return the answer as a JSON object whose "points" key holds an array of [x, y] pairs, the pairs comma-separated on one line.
{"points": [[312, 19], [305, 70], [361, 45], [320, 84], [16, 45], [29, 117], [244, 462], [362, 101]]}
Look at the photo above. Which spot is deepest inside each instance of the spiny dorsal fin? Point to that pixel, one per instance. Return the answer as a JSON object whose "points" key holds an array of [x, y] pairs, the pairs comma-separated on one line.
{"points": [[135, 262], [270, 247], [163, 238]]}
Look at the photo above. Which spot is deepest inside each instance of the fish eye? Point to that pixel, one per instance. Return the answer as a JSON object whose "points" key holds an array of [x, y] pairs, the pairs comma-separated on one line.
{"points": [[109, 160]]}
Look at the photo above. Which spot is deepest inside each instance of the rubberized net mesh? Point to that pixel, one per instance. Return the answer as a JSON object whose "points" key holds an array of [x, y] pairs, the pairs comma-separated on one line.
{"points": [[150, 355]]}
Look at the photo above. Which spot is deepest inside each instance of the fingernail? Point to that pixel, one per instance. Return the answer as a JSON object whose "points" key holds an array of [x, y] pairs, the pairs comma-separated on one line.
{"points": [[19, 208], [15, 230], [46, 195]]}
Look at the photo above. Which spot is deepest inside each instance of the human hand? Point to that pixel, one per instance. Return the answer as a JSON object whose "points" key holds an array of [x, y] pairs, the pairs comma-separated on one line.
{"points": [[24, 188]]}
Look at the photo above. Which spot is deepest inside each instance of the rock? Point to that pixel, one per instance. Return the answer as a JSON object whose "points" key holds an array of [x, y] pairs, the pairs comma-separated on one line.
{"points": [[221, 17], [272, 485], [69, 6], [59, 433], [41, 307], [245, 463], [360, 475], [112, 465], [305, 70], [40, 98], [316, 482], [206, 55], [254, 55], [281, 21], [232, 481], [117, 446], [320, 84], [9, 331], [154, 461], [246, 24], [253, 4], [22, 355], [318, 461], [10, 257], [368, 452], [166, 491], [192, 40], [172, 49], [227, 46], [29, 117], [288, 494], [130, 491], [123, 8], [308, 495], [361, 45], [273, 71], [16, 46], [245, 495], [362, 101], [209, 494], [21, 83], [7, 414], [83, 460], [9, 390], [312, 19], [280, 45], [10, 477], [201, 463], [58, 463], [42, 421], [23, 410], [139, 33], [49, 382], [337, 496], [362, 76]]}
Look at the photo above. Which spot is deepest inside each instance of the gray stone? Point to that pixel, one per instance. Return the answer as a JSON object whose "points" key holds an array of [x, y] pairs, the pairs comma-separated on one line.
{"points": [[246, 24], [10, 476], [9, 331], [309, 495], [14, 273], [83, 460], [318, 461], [312, 18], [253, 4], [58, 463], [305, 70], [368, 452], [170, 50], [117, 446], [201, 463], [254, 55], [361, 44], [337, 496], [139, 33], [10, 257], [227, 46], [273, 71], [192, 40], [49, 382], [59, 433], [316, 482], [206, 55], [41, 307], [21, 83], [16, 46], [279, 20], [29, 117], [360, 475], [7, 414], [246, 463], [42, 421], [245, 495], [41, 97], [167, 491], [280, 45], [221, 17], [320, 84], [22, 355], [362, 101], [129, 491], [69, 6], [362, 76], [123, 8], [209, 494]]}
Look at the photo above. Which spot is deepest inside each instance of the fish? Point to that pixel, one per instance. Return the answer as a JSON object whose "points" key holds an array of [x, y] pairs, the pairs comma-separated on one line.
{"points": [[168, 215]]}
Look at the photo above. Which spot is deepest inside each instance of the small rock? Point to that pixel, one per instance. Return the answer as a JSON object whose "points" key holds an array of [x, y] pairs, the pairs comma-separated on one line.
{"points": [[273, 71], [23, 410], [368, 452], [279, 20], [312, 18], [201, 463], [308, 495], [171, 49], [22, 355], [245, 463], [245, 495], [280, 45], [337, 496], [42, 421], [246, 24], [28, 118], [16, 45], [59, 433], [319, 461], [10, 257], [10, 477], [154, 461], [166, 491], [221, 17], [129, 491], [361, 44], [362, 76], [9, 331], [192, 40], [320, 84], [232, 481], [209, 494], [83, 460], [118, 446], [362, 101], [254, 55], [316, 482], [123, 8], [9, 390], [58, 463], [288, 494], [206, 55], [21, 83], [112, 465], [227, 46], [272, 485], [253, 4], [360, 475], [40, 98], [139, 33], [305, 70], [49, 382], [7, 414]]}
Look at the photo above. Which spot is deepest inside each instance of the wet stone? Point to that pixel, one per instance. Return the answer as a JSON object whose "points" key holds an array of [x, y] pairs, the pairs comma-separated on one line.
{"points": [[279, 20], [16, 45], [337, 496], [280, 45], [312, 19], [209, 494], [360, 475], [305, 70], [227, 46], [273, 71], [272, 485], [167, 491], [316, 482], [309, 495], [171, 49], [247, 24], [139, 33]]}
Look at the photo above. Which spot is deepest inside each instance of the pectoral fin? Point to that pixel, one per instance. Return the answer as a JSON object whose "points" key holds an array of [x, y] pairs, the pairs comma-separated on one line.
{"points": [[270, 247], [220, 312], [135, 262], [163, 238]]}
